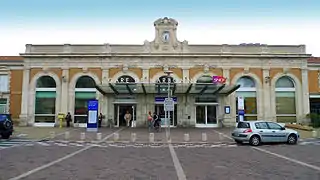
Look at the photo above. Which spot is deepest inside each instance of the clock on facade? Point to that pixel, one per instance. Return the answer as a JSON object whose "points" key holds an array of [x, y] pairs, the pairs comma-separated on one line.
{"points": [[165, 36]]}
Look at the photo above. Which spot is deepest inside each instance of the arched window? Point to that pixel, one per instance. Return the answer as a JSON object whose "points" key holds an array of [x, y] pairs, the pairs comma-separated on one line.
{"points": [[285, 99], [45, 100], [85, 90], [248, 92]]}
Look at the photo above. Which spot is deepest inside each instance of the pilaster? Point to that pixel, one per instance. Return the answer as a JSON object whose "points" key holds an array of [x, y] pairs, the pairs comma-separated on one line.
{"points": [[305, 92], [103, 100], [25, 97], [185, 74], [64, 90], [145, 74], [228, 101], [266, 95]]}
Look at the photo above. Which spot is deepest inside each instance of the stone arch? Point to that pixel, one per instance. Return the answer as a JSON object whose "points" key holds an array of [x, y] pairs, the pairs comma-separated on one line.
{"points": [[32, 93], [72, 85], [298, 93], [33, 82], [258, 89], [252, 75], [200, 74], [295, 80], [73, 82], [159, 74], [127, 73]]}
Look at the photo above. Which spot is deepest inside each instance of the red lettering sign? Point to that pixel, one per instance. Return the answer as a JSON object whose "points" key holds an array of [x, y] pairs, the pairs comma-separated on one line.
{"points": [[218, 79]]}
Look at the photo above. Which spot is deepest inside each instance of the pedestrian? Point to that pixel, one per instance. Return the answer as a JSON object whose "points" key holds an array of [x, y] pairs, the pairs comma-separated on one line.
{"points": [[68, 119], [127, 118], [150, 120], [100, 120], [155, 120]]}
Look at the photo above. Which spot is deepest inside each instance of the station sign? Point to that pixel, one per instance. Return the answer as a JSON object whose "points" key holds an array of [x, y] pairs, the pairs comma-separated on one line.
{"points": [[219, 79]]}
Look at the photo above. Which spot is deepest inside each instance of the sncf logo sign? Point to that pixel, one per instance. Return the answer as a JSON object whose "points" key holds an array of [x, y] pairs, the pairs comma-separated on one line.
{"points": [[219, 79]]}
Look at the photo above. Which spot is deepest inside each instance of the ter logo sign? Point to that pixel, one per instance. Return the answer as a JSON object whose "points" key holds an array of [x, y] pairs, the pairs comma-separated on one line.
{"points": [[218, 79]]}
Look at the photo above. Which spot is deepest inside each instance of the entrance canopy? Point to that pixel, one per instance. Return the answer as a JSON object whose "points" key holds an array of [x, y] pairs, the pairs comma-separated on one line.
{"points": [[162, 88]]}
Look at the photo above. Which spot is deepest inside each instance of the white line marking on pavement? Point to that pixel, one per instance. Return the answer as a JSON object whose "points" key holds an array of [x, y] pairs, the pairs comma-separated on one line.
{"points": [[223, 134], [288, 159], [60, 159], [180, 173], [281, 156]]}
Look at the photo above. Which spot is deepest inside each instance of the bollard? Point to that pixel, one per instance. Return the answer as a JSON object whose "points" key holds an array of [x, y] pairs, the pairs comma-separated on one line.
{"points": [[99, 136], [220, 136], [314, 134], [151, 137], [204, 136], [186, 137], [82, 136], [133, 137], [66, 135], [52, 134], [115, 137]]}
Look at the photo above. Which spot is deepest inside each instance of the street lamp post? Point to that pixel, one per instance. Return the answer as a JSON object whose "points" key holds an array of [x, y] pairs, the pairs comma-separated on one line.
{"points": [[167, 113]]}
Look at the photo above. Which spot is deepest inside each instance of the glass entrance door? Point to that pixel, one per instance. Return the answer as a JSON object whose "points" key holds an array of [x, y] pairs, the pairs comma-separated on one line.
{"points": [[120, 110], [206, 116], [159, 109]]}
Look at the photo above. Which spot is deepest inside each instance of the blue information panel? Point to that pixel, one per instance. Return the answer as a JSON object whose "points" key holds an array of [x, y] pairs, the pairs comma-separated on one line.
{"points": [[240, 115], [92, 123]]}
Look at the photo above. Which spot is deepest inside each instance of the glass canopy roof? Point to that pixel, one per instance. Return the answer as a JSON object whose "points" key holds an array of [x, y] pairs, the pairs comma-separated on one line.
{"points": [[162, 88]]}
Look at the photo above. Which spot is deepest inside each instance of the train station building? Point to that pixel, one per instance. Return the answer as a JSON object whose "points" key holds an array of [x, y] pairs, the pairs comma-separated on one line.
{"points": [[206, 81]]}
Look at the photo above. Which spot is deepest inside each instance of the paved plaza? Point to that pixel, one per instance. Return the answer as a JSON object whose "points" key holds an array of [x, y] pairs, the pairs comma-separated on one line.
{"points": [[110, 157]]}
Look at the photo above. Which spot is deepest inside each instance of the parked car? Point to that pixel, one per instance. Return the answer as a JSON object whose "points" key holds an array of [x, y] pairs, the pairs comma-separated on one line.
{"points": [[6, 126], [257, 132]]}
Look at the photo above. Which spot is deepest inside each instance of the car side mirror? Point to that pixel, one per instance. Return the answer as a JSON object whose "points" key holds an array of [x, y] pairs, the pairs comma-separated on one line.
{"points": [[283, 128]]}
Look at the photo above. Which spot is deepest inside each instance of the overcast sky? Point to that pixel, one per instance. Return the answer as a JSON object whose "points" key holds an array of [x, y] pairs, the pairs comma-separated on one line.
{"points": [[131, 22]]}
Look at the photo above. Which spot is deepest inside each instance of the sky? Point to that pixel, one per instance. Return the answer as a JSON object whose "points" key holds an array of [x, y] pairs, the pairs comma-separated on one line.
{"points": [[274, 22]]}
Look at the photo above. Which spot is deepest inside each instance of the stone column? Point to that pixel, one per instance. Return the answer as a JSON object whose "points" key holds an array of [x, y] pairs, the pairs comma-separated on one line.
{"points": [[305, 93], [25, 99], [104, 99], [184, 99], [266, 95], [229, 119], [64, 90]]}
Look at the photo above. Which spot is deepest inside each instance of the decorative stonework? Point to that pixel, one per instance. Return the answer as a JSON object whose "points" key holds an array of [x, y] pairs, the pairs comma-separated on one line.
{"points": [[85, 69]]}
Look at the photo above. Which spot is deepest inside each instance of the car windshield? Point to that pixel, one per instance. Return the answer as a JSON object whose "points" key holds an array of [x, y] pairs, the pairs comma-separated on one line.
{"points": [[243, 125]]}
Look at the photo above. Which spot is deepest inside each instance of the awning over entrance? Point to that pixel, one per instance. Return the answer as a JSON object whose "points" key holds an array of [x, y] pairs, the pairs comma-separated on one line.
{"points": [[161, 88]]}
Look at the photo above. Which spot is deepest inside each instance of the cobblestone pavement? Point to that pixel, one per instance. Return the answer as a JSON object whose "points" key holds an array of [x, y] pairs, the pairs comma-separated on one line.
{"points": [[56, 159]]}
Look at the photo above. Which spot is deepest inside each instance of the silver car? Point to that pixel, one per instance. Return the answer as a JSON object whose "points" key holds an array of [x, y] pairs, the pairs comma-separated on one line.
{"points": [[257, 132]]}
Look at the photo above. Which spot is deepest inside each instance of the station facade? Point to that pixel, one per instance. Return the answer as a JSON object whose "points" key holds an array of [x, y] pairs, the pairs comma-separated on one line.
{"points": [[271, 79]]}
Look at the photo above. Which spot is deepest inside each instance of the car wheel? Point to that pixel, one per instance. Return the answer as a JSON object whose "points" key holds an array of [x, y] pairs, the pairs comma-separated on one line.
{"points": [[5, 136], [255, 141], [7, 124], [292, 139]]}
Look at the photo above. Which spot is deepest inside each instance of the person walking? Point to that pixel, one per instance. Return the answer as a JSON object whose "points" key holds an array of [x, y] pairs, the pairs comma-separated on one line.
{"points": [[68, 119], [127, 118], [150, 120], [100, 120]]}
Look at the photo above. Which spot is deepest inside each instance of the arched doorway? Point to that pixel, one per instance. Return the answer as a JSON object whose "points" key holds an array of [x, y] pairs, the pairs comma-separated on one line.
{"points": [[206, 103], [85, 90], [125, 102], [45, 101], [247, 91], [285, 92], [161, 89]]}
